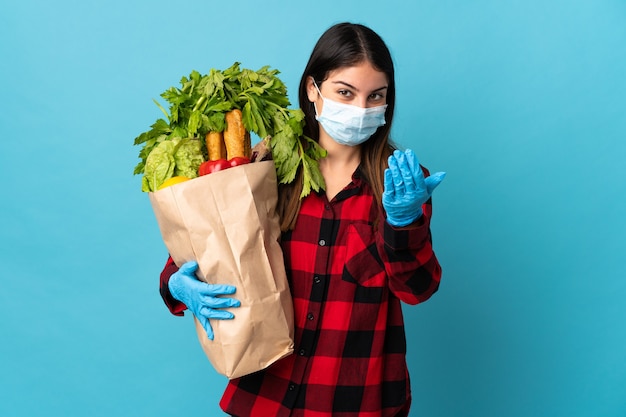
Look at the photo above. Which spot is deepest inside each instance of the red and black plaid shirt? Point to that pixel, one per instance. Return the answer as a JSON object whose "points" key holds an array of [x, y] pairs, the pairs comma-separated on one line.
{"points": [[348, 270]]}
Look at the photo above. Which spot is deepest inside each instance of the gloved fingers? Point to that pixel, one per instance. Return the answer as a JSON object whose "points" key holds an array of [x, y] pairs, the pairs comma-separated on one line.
{"points": [[396, 175], [412, 160], [219, 302], [204, 321], [416, 169], [433, 181], [405, 171], [217, 289], [211, 313]]}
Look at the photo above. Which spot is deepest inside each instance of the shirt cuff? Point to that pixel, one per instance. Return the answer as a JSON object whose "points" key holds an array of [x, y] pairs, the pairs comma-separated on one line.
{"points": [[413, 236], [176, 307]]}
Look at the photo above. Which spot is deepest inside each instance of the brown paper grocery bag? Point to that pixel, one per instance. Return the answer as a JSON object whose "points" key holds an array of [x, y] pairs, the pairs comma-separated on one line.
{"points": [[227, 222]]}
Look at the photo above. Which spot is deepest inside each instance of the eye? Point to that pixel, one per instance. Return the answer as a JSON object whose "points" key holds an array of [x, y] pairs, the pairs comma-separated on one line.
{"points": [[344, 93], [376, 97]]}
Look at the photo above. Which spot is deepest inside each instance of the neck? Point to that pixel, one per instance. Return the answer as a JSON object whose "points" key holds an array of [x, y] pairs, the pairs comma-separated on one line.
{"points": [[339, 164]]}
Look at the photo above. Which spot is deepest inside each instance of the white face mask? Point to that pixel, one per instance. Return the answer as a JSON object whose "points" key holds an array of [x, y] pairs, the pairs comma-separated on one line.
{"points": [[347, 124]]}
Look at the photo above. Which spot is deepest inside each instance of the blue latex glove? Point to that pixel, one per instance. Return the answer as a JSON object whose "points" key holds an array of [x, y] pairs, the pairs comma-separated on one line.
{"points": [[406, 189], [202, 299]]}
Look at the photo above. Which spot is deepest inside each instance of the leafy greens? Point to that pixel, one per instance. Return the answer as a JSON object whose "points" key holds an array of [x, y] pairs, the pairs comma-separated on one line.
{"points": [[176, 145]]}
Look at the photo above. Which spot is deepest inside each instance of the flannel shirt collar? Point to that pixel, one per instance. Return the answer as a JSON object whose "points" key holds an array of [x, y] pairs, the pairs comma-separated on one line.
{"points": [[351, 189]]}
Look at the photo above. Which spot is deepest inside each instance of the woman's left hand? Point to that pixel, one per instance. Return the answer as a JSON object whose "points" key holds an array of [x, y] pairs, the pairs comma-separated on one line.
{"points": [[406, 189]]}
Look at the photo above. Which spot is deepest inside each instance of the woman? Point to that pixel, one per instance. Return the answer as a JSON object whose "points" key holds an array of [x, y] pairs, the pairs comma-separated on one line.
{"points": [[352, 253]]}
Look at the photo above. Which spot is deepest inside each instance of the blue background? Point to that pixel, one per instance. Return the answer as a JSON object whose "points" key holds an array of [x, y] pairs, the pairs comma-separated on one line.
{"points": [[522, 102]]}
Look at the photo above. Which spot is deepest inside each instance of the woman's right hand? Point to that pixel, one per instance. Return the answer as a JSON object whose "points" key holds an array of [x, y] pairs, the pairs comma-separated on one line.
{"points": [[406, 189], [202, 299]]}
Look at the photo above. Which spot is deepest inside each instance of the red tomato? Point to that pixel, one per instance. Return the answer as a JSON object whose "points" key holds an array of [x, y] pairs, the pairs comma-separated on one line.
{"points": [[209, 167], [238, 160]]}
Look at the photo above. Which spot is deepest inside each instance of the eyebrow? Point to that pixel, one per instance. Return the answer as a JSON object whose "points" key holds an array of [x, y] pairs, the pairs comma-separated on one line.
{"points": [[356, 89]]}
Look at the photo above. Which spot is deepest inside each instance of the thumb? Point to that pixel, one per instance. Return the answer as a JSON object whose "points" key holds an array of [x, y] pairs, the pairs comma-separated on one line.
{"points": [[389, 189], [433, 181], [204, 321], [189, 268]]}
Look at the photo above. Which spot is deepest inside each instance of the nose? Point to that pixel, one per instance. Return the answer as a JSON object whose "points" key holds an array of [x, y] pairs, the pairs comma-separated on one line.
{"points": [[361, 102]]}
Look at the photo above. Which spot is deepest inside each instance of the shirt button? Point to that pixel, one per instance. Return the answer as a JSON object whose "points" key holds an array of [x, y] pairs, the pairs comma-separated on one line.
{"points": [[322, 242], [327, 206], [302, 352], [292, 387], [317, 280], [310, 316]]}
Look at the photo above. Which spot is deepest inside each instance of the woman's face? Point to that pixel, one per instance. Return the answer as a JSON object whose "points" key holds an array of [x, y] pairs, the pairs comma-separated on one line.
{"points": [[360, 85]]}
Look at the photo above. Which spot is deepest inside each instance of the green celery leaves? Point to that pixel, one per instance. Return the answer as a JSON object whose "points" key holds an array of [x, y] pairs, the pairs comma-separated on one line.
{"points": [[176, 146]]}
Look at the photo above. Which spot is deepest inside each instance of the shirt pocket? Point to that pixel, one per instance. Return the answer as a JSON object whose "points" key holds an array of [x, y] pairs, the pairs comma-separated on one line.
{"points": [[363, 265]]}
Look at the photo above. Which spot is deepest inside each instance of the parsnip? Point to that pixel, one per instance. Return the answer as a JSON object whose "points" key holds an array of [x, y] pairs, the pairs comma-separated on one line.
{"points": [[215, 145], [236, 138]]}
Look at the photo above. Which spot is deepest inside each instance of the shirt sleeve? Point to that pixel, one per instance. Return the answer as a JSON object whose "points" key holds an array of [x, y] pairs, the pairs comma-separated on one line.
{"points": [[412, 267], [176, 307]]}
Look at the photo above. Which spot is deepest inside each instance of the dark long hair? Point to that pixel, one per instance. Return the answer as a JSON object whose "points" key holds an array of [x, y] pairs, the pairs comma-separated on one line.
{"points": [[344, 45]]}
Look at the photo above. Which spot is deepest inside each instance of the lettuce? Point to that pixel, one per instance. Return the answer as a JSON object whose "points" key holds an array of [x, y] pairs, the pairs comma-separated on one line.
{"points": [[160, 166], [188, 158], [171, 158]]}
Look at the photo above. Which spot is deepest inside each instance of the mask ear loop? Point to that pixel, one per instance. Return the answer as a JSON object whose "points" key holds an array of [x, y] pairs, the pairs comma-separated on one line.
{"points": [[320, 93], [317, 88]]}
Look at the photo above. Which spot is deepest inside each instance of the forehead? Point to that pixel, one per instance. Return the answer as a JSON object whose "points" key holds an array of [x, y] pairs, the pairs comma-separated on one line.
{"points": [[362, 76]]}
